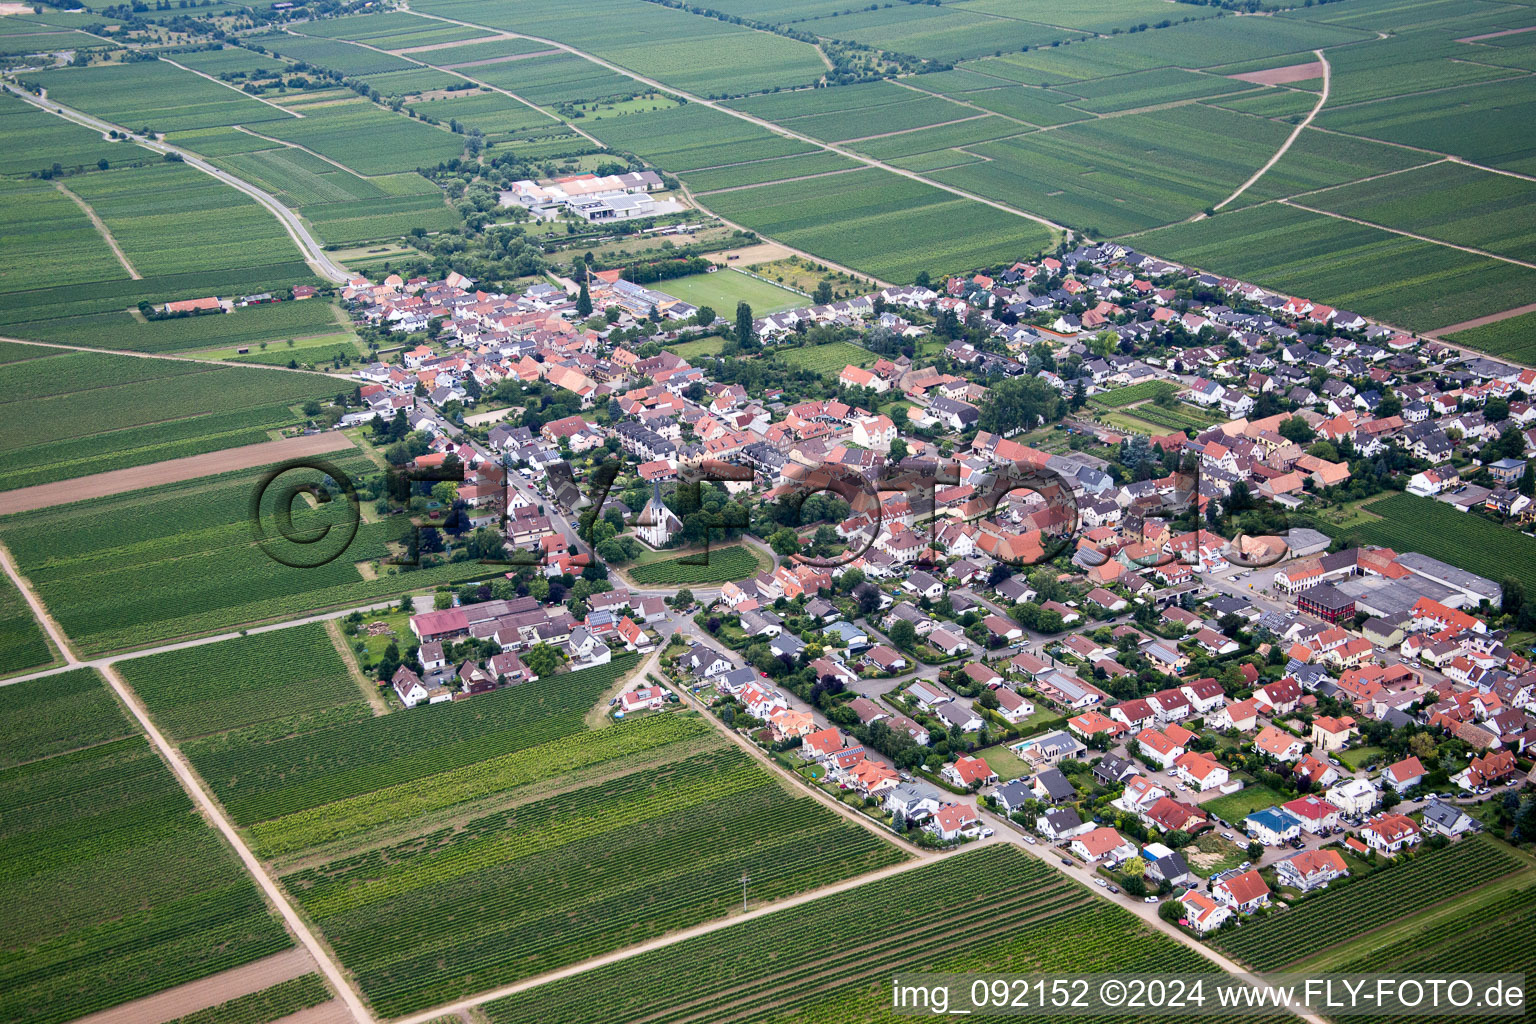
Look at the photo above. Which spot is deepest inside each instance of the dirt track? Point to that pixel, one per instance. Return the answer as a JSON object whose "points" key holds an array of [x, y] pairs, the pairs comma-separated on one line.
{"points": [[211, 991], [170, 471]]}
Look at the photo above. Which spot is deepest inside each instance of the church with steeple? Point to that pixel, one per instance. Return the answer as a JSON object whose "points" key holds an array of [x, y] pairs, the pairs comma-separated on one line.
{"points": [[657, 524]]}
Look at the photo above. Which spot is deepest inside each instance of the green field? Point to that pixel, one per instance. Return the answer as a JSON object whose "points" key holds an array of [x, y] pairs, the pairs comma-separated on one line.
{"points": [[1120, 397], [36, 139], [180, 560], [1514, 337], [1355, 908], [1403, 281], [247, 325], [699, 349], [368, 139], [995, 909], [23, 644], [762, 171], [153, 94], [828, 359], [730, 562], [78, 413], [1464, 539], [723, 289], [52, 239], [290, 673], [1234, 807], [116, 888]]}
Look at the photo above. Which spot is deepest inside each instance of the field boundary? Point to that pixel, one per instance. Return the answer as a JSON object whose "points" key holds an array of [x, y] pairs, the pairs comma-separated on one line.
{"points": [[1295, 134], [102, 230], [208, 992]]}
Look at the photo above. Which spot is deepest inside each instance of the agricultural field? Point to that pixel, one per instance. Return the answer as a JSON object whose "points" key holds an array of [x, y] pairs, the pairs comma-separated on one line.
{"points": [[1319, 160], [1514, 337], [726, 562], [1353, 909], [946, 32], [1480, 123], [299, 178], [687, 138], [828, 359], [982, 128], [700, 349], [214, 688], [1445, 201], [229, 60], [994, 909], [848, 218], [526, 888], [367, 138], [1409, 523], [182, 563], [1148, 88], [1418, 285], [36, 139], [123, 330], [368, 220], [153, 94], [760, 172], [1121, 397], [72, 414], [50, 238], [721, 290], [170, 219], [387, 31], [333, 54], [23, 645], [116, 887], [450, 55], [266, 1006]]}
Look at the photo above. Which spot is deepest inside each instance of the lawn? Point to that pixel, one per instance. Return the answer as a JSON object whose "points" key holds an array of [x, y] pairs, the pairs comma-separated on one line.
{"points": [[1005, 762], [1356, 758], [721, 290], [1234, 807], [709, 346]]}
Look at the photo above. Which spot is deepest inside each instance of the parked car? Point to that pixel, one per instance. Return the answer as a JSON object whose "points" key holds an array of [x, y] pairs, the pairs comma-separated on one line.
{"points": [[987, 833], [1226, 835], [1030, 840], [1334, 761], [1101, 883], [1149, 899], [1115, 890], [1068, 862]]}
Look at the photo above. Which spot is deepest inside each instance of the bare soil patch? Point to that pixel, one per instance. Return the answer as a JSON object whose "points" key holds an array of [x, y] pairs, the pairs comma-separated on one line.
{"points": [[199, 995], [1282, 76], [752, 255], [170, 471]]}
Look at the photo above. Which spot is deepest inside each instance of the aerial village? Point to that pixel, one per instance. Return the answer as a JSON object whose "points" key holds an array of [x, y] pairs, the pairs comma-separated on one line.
{"points": [[1153, 658]]}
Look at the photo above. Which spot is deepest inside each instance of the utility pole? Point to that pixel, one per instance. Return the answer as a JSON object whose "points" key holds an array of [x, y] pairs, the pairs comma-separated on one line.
{"points": [[744, 880]]}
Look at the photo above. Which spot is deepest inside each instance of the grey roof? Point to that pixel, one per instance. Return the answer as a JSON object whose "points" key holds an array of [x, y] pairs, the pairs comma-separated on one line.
{"points": [[1056, 784], [1013, 794], [1063, 818], [1436, 569], [1444, 815]]}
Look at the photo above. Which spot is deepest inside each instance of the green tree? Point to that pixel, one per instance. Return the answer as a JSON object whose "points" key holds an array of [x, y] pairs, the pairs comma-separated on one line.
{"points": [[542, 659], [705, 316], [903, 634], [744, 335], [1019, 403], [823, 294], [1295, 429], [584, 301], [784, 541]]}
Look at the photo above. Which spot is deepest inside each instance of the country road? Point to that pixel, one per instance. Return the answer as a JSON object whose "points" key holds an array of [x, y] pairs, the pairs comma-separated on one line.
{"points": [[309, 246]]}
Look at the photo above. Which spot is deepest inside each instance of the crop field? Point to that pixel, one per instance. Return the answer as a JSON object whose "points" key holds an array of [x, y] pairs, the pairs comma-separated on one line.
{"points": [[22, 642], [947, 32], [116, 887], [1411, 523], [727, 562], [1414, 284], [1147, 88], [334, 54], [179, 560], [154, 94], [1453, 16], [1182, 416], [1452, 202], [686, 138], [36, 139], [938, 160], [1121, 397], [1514, 337], [368, 139], [266, 1006], [214, 142], [1087, 15], [1289, 104], [1405, 64], [76, 413], [229, 59], [1042, 107], [1318, 160], [49, 239], [919, 111], [372, 219], [491, 112], [1350, 909], [561, 78], [849, 218], [218, 687], [828, 359], [415, 80], [703, 347], [926, 140], [464, 53], [171, 219], [299, 178], [268, 321], [994, 909], [1481, 123], [681, 49], [386, 30], [57, 714], [722, 289], [525, 889], [761, 172]]}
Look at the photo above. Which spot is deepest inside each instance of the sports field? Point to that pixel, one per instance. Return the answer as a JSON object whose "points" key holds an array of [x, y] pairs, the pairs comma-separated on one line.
{"points": [[722, 289]]}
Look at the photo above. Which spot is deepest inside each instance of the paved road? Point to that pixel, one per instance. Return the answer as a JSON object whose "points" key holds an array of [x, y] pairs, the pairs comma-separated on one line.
{"points": [[314, 254]]}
